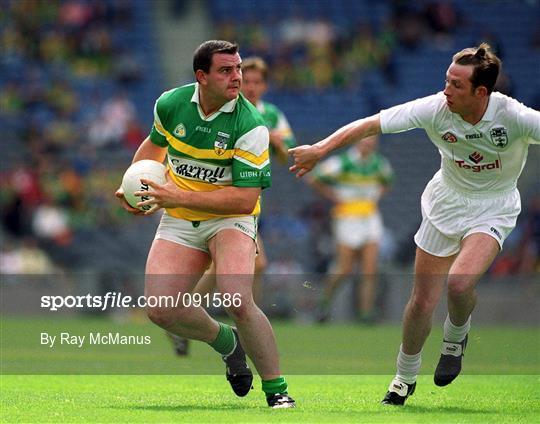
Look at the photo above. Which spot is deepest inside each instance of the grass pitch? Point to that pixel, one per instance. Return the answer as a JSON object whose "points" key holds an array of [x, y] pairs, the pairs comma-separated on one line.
{"points": [[336, 373]]}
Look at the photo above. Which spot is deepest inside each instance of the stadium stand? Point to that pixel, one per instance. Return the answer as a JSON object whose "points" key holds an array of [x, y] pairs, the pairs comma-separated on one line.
{"points": [[72, 70]]}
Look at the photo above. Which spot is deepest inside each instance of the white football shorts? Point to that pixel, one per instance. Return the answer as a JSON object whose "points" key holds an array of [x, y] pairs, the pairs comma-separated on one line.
{"points": [[197, 233], [448, 216], [354, 232]]}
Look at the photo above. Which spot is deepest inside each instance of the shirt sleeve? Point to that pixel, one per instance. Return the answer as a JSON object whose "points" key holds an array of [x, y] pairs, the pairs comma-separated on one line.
{"points": [[285, 130], [328, 170], [386, 172], [251, 160], [157, 134], [529, 120], [419, 113]]}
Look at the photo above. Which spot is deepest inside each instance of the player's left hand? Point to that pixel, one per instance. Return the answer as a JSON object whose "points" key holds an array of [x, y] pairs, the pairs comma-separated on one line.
{"points": [[167, 195], [305, 158]]}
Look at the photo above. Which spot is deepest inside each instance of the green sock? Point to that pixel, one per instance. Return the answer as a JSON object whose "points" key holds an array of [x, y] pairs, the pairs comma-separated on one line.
{"points": [[225, 341], [277, 385]]}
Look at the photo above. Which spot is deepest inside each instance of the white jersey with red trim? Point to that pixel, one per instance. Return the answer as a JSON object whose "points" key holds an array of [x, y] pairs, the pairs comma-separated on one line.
{"points": [[485, 158]]}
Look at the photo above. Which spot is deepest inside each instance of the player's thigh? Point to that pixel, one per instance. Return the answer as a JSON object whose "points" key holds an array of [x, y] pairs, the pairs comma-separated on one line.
{"points": [[233, 253], [369, 257], [172, 267], [344, 258], [430, 273], [478, 250], [261, 261]]}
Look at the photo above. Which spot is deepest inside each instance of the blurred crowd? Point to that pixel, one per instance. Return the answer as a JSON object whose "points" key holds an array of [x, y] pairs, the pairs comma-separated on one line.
{"points": [[64, 114], [70, 124], [318, 53]]}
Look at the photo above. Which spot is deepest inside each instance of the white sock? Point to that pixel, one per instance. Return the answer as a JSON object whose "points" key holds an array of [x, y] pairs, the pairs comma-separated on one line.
{"points": [[408, 366], [453, 333]]}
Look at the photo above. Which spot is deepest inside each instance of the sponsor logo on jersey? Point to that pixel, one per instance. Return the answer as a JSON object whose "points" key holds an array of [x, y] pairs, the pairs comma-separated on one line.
{"points": [[476, 157], [220, 145], [449, 137], [499, 136], [496, 232], [180, 130], [473, 136], [194, 170], [478, 168]]}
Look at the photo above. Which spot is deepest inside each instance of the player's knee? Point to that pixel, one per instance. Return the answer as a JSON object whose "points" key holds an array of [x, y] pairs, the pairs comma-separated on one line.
{"points": [[240, 313], [422, 305], [459, 286], [164, 317]]}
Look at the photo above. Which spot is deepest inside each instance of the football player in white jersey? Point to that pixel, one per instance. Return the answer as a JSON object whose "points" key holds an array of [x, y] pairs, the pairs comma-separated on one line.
{"points": [[468, 208]]}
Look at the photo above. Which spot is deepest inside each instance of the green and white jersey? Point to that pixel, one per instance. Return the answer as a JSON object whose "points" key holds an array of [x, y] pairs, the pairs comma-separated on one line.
{"points": [[357, 181], [276, 121], [207, 153]]}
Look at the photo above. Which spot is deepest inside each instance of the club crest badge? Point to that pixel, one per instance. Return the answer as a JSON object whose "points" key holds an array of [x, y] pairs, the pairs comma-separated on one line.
{"points": [[449, 137], [499, 136], [221, 143], [180, 130]]}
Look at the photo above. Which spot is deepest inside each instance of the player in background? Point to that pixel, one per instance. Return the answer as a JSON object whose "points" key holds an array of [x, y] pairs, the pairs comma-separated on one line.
{"points": [[469, 207], [354, 182], [216, 147]]}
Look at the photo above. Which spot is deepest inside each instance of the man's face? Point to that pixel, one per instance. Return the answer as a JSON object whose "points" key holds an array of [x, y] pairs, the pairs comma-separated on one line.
{"points": [[460, 97], [224, 80], [253, 85]]}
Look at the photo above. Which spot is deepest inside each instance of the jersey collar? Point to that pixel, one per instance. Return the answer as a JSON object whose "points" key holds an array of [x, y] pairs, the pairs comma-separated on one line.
{"points": [[489, 114], [227, 107]]}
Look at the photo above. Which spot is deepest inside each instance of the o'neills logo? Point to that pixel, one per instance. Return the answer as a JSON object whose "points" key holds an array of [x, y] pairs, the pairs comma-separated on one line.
{"points": [[478, 168]]}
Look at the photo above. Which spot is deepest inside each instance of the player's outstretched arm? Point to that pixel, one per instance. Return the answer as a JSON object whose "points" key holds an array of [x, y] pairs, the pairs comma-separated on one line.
{"points": [[306, 157]]}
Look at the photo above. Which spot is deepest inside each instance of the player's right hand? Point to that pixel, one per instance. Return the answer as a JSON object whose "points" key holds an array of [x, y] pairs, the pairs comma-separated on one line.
{"points": [[120, 196], [305, 158]]}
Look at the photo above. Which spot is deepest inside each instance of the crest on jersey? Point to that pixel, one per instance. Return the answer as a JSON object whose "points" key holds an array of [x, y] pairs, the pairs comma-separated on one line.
{"points": [[180, 130], [499, 136], [449, 137], [221, 143]]}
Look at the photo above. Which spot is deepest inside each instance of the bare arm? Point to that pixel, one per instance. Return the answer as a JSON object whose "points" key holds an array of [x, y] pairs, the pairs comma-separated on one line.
{"points": [[227, 201], [149, 150], [306, 157]]}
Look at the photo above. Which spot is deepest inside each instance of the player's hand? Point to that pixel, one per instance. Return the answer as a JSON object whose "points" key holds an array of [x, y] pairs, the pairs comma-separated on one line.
{"points": [[160, 196], [120, 196], [305, 158]]}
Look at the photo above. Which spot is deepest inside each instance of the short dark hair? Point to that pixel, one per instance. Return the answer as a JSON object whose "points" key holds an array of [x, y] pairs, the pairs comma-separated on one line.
{"points": [[202, 58], [255, 63], [486, 65]]}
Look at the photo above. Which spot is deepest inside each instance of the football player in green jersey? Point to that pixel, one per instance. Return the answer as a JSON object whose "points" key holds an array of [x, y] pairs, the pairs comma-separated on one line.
{"points": [[216, 147], [354, 182], [254, 86]]}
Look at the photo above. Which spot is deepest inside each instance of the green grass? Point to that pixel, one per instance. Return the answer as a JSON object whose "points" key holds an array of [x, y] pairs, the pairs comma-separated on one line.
{"points": [[337, 373], [208, 399]]}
